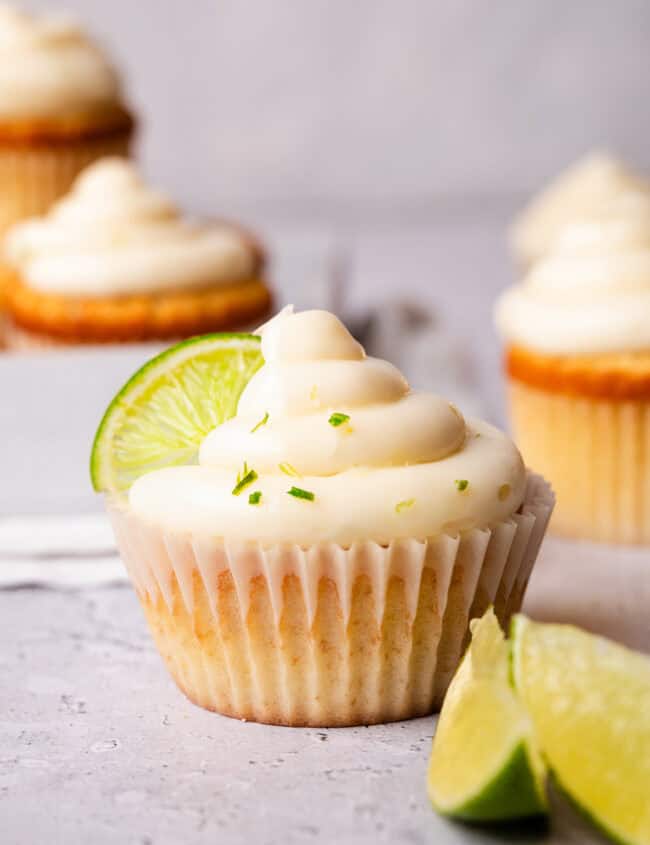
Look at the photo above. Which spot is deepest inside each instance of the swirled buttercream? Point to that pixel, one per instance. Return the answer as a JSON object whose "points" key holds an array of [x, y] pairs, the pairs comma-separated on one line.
{"points": [[584, 190], [375, 460], [591, 294], [50, 68], [112, 235]]}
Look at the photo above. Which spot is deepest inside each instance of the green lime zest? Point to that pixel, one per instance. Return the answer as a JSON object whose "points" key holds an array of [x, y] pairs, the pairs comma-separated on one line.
{"points": [[338, 419], [299, 493], [244, 481], [404, 505], [262, 422]]}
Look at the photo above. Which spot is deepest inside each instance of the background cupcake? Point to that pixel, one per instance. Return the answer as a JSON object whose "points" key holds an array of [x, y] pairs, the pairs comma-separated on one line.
{"points": [[61, 107], [116, 261], [584, 189], [578, 361], [322, 562]]}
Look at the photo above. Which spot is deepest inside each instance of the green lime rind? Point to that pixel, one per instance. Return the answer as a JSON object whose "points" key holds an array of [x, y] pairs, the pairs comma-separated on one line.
{"points": [[484, 764], [589, 700], [163, 412], [515, 792]]}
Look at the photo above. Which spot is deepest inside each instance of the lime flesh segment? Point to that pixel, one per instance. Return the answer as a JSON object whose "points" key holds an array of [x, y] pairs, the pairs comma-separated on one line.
{"points": [[163, 412], [589, 699], [484, 766]]}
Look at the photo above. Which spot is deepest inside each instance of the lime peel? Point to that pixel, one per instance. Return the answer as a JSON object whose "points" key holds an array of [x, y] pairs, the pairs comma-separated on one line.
{"points": [[589, 700], [163, 412], [484, 765]]}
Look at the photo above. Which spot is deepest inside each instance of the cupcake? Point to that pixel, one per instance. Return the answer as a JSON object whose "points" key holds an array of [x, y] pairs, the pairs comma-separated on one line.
{"points": [[116, 261], [583, 190], [321, 562], [61, 107], [577, 335]]}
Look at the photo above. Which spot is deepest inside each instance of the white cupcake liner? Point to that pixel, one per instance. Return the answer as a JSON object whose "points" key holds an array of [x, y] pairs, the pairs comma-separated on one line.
{"points": [[325, 635]]}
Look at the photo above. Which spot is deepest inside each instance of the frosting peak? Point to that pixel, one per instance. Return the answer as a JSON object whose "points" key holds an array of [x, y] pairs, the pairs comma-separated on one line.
{"points": [[582, 191], [373, 459], [591, 294], [49, 68], [114, 235], [313, 368]]}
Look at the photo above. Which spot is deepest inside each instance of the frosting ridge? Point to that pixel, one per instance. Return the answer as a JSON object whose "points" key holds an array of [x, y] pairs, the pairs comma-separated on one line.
{"points": [[583, 190], [591, 294], [376, 460], [113, 235]]}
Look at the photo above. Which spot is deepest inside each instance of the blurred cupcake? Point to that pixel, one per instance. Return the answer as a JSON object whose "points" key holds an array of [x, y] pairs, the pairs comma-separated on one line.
{"points": [[61, 108], [577, 334], [332, 581], [115, 261], [583, 190]]}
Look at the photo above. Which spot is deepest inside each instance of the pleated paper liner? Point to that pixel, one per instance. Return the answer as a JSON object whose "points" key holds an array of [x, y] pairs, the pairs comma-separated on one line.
{"points": [[325, 635], [32, 177], [596, 452]]}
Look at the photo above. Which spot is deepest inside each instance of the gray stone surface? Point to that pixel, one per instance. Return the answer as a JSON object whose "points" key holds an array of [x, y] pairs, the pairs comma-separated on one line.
{"points": [[98, 746]]}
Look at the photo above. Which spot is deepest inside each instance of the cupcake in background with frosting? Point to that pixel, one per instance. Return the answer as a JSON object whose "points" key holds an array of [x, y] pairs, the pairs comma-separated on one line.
{"points": [[338, 586], [116, 261], [61, 107], [583, 190], [577, 336]]}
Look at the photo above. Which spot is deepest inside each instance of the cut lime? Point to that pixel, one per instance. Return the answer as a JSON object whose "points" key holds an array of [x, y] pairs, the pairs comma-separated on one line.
{"points": [[163, 412], [484, 766], [589, 700]]}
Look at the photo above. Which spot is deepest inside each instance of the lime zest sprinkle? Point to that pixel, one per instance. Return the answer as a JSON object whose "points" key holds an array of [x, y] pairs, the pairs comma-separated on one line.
{"points": [[244, 481], [299, 493], [287, 469], [254, 498], [242, 473], [262, 422], [338, 419], [461, 484], [314, 394], [404, 505], [504, 492]]}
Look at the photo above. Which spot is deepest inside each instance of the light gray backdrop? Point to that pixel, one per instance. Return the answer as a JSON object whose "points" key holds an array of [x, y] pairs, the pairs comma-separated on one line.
{"points": [[357, 110]]}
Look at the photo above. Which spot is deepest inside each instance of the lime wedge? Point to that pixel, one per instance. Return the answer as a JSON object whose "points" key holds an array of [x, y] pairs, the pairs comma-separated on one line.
{"points": [[484, 766], [163, 412], [589, 700]]}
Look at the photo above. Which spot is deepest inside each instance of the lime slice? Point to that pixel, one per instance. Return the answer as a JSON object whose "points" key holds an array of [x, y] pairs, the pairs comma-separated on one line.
{"points": [[163, 412], [590, 704], [484, 766]]}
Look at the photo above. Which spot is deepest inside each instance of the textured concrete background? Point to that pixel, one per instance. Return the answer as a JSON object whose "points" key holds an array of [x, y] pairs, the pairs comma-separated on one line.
{"points": [[87, 758], [375, 109]]}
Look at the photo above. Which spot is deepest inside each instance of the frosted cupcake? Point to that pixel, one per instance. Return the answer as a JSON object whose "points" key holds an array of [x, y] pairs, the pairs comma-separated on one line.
{"points": [[321, 563], [577, 334], [61, 107], [583, 190], [117, 261]]}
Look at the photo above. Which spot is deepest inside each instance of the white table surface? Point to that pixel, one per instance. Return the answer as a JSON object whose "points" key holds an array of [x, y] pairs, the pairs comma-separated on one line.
{"points": [[96, 743]]}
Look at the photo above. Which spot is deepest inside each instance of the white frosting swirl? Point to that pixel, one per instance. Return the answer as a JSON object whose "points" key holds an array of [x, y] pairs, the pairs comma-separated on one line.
{"points": [[113, 235], [49, 68], [583, 190], [591, 294], [390, 470]]}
